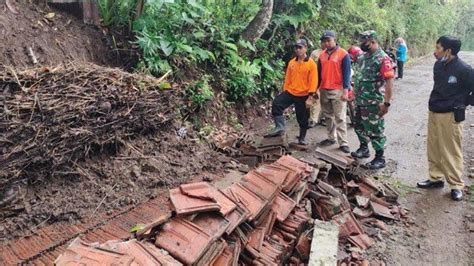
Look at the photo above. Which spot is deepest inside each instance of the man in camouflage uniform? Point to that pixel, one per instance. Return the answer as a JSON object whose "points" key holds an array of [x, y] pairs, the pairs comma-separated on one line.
{"points": [[373, 82]]}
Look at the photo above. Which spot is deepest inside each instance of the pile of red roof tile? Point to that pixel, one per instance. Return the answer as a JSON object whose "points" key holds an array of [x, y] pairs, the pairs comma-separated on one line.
{"points": [[258, 220], [263, 219]]}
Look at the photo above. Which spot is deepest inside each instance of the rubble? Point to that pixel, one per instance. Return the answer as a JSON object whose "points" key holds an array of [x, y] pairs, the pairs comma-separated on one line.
{"points": [[264, 218], [55, 117]]}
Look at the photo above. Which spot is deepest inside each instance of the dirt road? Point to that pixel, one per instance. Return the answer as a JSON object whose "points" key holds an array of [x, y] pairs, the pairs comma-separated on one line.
{"points": [[442, 232]]}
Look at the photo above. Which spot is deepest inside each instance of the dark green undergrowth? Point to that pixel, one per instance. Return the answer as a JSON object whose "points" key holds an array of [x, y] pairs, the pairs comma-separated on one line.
{"points": [[200, 41]]}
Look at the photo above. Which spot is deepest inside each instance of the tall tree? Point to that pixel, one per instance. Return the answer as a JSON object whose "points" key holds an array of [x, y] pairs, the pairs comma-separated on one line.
{"points": [[259, 23]]}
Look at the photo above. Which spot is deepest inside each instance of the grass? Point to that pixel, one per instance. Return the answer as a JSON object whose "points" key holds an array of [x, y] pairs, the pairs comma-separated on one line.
{"points": [[401, 187]]}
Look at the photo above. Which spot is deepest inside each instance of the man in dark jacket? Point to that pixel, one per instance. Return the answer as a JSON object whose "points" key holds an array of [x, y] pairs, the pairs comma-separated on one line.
{"points": [[453, 82]]}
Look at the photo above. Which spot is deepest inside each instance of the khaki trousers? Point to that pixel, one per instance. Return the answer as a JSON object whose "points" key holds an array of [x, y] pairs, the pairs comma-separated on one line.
{"points": [[315, 110], [444, 149], [334, 110]]}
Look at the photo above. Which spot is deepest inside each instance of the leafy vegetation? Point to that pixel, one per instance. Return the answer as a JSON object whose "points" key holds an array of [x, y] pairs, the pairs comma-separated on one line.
{"points": [[201, 40], [199, 92]]}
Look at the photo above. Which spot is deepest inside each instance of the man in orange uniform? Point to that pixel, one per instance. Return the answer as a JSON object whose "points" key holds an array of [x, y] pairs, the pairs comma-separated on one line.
{"points": [[334, 66], [301, 81]]}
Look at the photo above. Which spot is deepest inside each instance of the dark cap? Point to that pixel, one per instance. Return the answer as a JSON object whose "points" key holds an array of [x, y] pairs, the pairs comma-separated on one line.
{"points": [[368, 35], [301, 42], [327, 34]]}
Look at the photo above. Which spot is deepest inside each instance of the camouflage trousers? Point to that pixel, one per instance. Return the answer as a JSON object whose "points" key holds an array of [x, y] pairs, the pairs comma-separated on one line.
{"points": [[369, 126]]}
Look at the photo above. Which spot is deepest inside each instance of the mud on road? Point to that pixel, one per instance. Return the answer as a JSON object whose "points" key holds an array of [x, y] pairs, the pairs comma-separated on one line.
{"points": [[440, 231]]}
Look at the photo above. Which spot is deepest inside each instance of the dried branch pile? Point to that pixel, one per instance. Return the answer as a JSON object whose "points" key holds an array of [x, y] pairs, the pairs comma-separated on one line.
{"points": [[52, 118]]}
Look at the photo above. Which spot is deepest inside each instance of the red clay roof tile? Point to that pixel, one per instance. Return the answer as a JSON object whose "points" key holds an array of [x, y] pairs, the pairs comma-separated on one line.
{"points": [[82, 253], [236, 217], [212, 223], [260, 185], [275, 173], [248, 199], [200, 190], [183, 240], [144, 253], [226, 205], [348, 225], [184, 204]]}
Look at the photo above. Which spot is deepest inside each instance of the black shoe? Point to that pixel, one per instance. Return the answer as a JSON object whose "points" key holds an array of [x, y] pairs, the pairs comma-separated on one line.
{"points": [[456, 194], [430, 184], [327, 142], [361, 152], [345, 149], [302, 136], [312, 124], [378, 162]]}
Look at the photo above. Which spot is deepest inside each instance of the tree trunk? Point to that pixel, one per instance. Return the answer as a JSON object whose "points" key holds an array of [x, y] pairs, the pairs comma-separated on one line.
{"points": [[259, 23]]}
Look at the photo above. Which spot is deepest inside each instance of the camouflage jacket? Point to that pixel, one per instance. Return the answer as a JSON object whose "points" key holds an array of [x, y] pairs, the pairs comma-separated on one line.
{"points": [[370, 74]]}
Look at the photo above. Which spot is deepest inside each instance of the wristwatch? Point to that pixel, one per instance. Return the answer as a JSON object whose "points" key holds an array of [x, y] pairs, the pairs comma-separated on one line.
{"points": [[386, 104]]}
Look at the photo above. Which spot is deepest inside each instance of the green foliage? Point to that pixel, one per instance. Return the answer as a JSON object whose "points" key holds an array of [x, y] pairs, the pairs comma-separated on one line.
{"points": [[189, 36], [118, 13], [200, 92]]}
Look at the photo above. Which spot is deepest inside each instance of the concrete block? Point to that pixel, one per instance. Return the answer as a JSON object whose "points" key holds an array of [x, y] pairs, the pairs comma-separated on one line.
{"points": [[324, 244]]}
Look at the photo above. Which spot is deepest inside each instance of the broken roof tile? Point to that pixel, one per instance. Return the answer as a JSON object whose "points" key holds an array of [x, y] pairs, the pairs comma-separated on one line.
{"points": [[283, 205], [183, 240], [212, 223], [226, 205], [343, 162], [367, 187], [303, 247], [149, 227], [381, 211], [81, 252], [226, 257], [236, 217], [215, 249], [248, 199], [256, 238], [260, 185], [362, 241], [275, 173], [184, 204], [144, 253], [201, 190], [348, 224], [269, 222], [291, 179], [294, 164]]}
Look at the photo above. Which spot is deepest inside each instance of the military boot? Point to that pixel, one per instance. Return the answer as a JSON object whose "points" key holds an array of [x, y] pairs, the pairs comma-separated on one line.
{"points": [[361, 152], [279, 127], [302, 136], [378, 162]]}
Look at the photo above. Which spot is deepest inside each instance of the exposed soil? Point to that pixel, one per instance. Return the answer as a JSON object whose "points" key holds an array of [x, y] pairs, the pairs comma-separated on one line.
{"points": [[52, 39], [143, 170]]}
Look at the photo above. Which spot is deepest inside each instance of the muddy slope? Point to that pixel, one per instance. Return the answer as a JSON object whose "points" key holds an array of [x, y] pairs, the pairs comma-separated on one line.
{"points": [[51, 39]]}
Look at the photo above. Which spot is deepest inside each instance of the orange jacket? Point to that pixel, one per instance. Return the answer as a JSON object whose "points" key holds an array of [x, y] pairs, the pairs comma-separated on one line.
{"points": [[331, 68], [301, 77]]}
